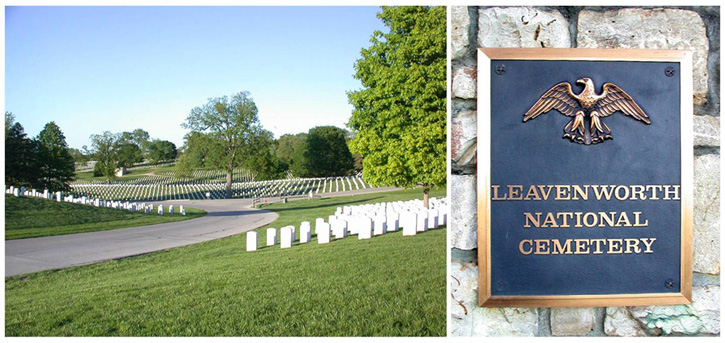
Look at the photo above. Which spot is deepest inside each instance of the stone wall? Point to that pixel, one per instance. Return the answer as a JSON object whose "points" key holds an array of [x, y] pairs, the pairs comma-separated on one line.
{"points": [[695, 28]]}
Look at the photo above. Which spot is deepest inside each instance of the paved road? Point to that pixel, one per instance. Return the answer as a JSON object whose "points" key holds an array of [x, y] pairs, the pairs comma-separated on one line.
{"points": [[225, 218]]}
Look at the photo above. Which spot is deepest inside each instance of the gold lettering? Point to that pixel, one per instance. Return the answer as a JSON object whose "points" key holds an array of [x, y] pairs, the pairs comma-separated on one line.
{"points": [[601, 192], [549, 221], [530, 218], [632, 243], [614, 248], [494, 191], [648, 250], [675, 191], [558, 249], [542, 247], [515, 192], [545, 194], [521, 246], [604, 218], [622, 197], [532, 194], [562, 192], [580, 245], [637, 193], [564, 217], [637, 223], [653, 193], [580, 193], [593, 221], [598, 247], [578, 219], [623, 220]]}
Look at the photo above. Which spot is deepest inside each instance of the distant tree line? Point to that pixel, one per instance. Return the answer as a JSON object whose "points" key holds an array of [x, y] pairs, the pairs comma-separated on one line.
{"points": [[112, 151], [43, 162], [226, 134]]}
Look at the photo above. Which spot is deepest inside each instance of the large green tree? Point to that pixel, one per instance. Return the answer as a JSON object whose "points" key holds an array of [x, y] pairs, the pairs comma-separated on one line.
{"points": [[105, 152], [55, 163], [287, 145], [325, 153], [399, 116], [232, 124], [21, 155], [160, 150]]}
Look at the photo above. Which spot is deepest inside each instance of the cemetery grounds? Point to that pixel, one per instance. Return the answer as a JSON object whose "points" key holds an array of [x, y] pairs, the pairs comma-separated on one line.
{"points": [[389, 285]]}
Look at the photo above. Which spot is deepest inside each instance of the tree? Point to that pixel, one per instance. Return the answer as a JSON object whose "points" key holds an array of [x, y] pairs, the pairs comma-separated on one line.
{"points": [[128, 154], [287, 145], [232, 124], [399, 117], [325, 153], [21, 157], [161, 151], [55, 163], [105, 151], [138, 137], [262, 161]]}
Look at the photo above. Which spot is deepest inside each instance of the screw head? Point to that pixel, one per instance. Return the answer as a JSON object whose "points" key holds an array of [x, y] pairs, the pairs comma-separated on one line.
{"points": [[670, 72], [669, 283], [500, 69]]}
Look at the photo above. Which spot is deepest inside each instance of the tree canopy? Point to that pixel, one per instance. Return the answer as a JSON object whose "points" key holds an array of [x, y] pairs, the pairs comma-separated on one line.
{"points": [[55, 163], [399, 117], [324, 153], [231, 123]]}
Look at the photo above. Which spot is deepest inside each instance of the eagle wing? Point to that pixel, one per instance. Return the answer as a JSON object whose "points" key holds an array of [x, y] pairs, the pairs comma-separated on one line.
{"points": [[615, 99], [559, 97]]}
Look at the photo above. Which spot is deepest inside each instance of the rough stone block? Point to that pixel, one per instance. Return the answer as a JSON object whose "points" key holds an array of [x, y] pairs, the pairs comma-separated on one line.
{"points": [[700, 317], [618, 322], [468, 319], [460, 25], [522, 27], [463, 135], [706, 213], [576, 321], [463, 212], [660, 28], [464, 83], [707, 130]]}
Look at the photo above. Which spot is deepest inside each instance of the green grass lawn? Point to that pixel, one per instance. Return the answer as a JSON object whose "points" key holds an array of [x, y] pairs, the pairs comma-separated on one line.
{"points": [[27, 217], [389, 285]]}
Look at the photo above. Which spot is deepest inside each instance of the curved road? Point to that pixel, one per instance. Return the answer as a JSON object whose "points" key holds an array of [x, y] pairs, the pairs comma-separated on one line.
{"points": [[224, 218]]}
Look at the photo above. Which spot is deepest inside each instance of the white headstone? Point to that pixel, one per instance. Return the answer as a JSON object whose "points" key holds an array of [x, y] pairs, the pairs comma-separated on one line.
{"points": [[271, 236], [318, 222], [408, 221], [365, 228], [286, 237], [251, 241], [339, 228], [432, 219], [391, 221], [379, 225], [442, 218], [161, 209], [58, 196], [422, 223], [171, 209], [182, 210], [305, 233], [323, 233], [16, 192]]}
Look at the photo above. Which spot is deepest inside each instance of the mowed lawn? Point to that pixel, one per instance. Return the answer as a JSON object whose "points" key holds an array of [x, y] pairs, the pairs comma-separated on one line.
{"points": [[27, 217], [389, 285]]}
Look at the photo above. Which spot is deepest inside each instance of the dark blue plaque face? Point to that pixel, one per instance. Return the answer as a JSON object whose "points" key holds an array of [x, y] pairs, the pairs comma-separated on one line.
{"points": [[533, 153]]}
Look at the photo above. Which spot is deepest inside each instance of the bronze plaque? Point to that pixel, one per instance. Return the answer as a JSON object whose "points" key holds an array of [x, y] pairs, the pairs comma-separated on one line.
{"points": [[585, 163]]}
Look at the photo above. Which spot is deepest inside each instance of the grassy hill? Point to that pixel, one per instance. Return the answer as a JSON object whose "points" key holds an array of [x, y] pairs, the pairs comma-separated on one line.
{"points": [[389, 285], [27, 217]]}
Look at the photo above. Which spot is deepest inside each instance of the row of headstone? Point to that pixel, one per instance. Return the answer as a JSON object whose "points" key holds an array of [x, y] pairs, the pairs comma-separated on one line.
{"points": [[83, 200], [365, 221]]}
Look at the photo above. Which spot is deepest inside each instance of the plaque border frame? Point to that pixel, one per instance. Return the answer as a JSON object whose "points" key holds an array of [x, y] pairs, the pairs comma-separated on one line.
{"points": [[485, 58]]}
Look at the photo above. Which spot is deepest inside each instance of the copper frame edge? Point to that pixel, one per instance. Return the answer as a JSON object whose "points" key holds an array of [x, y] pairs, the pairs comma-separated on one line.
{"points": [[484, 57]]}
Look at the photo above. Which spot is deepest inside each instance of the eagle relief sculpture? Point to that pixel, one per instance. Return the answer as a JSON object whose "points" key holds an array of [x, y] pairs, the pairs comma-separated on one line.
{"points": [[587, 109]]}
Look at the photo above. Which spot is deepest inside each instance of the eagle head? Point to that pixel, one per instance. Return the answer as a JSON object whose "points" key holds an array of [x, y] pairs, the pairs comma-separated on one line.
{"points": [[584, 80]]}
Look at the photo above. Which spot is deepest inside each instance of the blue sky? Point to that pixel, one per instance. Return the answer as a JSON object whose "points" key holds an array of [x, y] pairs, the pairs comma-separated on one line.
{"points": [[95, 69]]}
